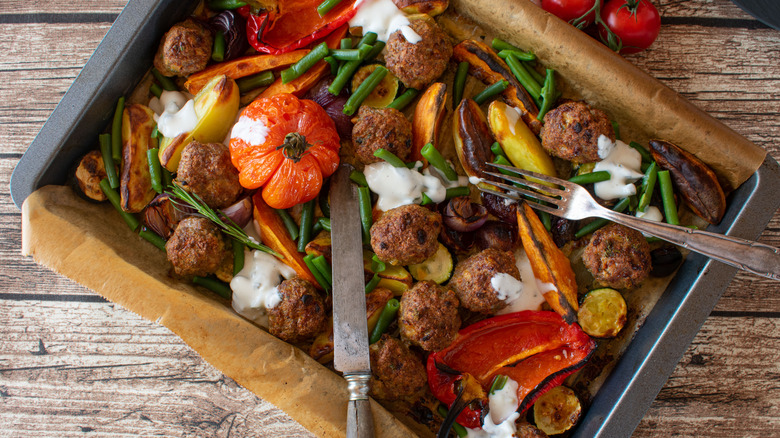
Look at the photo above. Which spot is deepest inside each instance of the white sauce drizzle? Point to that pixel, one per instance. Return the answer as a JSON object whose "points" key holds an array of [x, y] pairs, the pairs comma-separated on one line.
{"points": [[178, 113], [397, 186], [251, 131], [255, 288], [623, 164], [383, 18], [651, 213], [500, 421], [529, 293], [512, 115]]}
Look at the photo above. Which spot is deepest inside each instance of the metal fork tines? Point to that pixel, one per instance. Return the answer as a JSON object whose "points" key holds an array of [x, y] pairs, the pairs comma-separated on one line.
{"points": [[571, 201]]}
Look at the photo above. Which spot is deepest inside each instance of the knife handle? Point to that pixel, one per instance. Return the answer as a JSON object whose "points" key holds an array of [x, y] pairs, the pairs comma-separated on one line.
{"points": [[360, 422]]}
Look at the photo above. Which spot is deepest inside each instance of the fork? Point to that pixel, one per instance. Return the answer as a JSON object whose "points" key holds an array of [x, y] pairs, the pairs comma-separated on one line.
{"points": [[571, 201]]}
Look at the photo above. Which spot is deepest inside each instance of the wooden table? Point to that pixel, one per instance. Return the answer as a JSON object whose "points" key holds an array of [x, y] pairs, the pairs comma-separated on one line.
{"points": [[72, 363]]}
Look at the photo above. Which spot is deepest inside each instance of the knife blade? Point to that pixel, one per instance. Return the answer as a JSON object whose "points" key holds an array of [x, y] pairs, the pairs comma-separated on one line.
{"points": [[350, 329]]}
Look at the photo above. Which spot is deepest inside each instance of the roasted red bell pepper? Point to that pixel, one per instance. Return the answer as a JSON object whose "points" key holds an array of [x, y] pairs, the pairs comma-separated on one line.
{"points": [[295, 24], [537, 349]]}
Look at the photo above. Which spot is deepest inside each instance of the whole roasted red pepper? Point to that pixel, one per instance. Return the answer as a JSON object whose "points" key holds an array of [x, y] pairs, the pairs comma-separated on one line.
{"points": [[294, 25], [537, 349]]}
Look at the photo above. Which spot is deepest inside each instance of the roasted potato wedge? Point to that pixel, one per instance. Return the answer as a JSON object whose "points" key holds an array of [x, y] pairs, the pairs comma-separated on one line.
{"points": [[427, 118], [519, 143], [485, 65], [135, 184], [86, 176], [696, 183], [472, 138], [430, 7]]}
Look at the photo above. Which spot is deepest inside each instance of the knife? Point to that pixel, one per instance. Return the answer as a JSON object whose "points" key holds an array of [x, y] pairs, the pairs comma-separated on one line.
{"points": [[350, 329]]}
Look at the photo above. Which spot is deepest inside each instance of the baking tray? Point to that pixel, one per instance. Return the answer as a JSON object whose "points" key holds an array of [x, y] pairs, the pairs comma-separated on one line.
{"points": [[124, 56]]}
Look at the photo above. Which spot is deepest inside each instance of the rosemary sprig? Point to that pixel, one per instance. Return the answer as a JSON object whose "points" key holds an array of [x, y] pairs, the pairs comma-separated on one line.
{"points": [[231, 229]]}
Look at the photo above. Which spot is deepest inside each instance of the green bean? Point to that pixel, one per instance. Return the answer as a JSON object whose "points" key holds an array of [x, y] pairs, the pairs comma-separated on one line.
{"points": [[375, 50], [345, 43], [220, 288], [425, 199], [225, 4], [390, 157], [334, 64], [307, 221], [646, 156], [155, 89], [324, 223], [369, 38], [116, 131], [497, 150], [319, 52], [153, 238], [364, 89], [598, 223], [530, 68], [648, 185], [324, 200], [437, 160], [371, 285], [108, 160], [167, 177], [404, 99], [385, 318], [316, 228], [366, 218], [459, 83], [250, 83], [165, 82], [491, 91], [615, 129], [323, 266], [522, 75], [454, 192], [667, 196], [590, 178], [326, 6], [344, 75], [309, 261], [113, 197], [358, 178], [459, 430], [155, 173], [519, 54], [498, 45], [289, 223], [218, 48], [546, 220], [238, 256], [377, 265], [498, 383], [351, 54], [549, 93]]}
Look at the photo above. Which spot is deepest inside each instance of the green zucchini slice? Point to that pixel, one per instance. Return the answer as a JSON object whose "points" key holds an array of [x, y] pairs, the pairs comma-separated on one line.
{"points": [[602, 313], [437, 268], [557, 410]]}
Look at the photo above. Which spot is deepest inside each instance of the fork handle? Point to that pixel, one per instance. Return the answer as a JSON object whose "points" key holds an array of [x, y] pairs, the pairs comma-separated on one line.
{"points": [[744, 254]]}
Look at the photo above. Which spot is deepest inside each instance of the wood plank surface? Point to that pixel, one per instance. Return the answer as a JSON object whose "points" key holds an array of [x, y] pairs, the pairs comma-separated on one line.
{"points": [[72, 363]]}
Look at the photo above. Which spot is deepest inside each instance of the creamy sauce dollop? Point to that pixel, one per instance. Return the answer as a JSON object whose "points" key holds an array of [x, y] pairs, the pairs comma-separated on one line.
{"points": [[174, 113], [520, 295], [251, 131], [255, 288], [397, 186], [623, 164], [383, 18], [500, 421]]}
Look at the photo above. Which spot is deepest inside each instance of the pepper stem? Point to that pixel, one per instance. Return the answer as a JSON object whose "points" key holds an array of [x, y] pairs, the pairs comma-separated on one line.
{"points": [[294, 146]]}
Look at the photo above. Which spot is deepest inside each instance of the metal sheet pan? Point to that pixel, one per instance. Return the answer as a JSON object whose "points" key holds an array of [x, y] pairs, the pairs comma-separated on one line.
{"points": [[122, 59]]}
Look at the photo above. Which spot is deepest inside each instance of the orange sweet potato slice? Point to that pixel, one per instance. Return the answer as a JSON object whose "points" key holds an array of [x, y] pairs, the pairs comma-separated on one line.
{"points": [[241, 67]]}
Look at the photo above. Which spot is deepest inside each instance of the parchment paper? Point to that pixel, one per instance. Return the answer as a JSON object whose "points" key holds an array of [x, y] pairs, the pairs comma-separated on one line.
{"points": [[89, 243]]}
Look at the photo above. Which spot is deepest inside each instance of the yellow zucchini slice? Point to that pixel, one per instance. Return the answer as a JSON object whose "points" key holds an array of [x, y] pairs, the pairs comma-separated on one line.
{"points": [[602, 313], [557, 410]]}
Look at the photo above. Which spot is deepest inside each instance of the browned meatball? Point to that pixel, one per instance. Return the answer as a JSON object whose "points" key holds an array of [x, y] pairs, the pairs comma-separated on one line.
{"points": [[205, 169], [184, 49], [571, 131], [381, 128], [618, 257], [197, 247], [300, 315], [471, 280], [406, 235], [419, 64], [428, 316], [396, 372]]}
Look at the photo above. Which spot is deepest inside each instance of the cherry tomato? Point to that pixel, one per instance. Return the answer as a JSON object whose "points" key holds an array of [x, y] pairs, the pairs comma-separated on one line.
{"points": [[636, 24], [570, 10]]}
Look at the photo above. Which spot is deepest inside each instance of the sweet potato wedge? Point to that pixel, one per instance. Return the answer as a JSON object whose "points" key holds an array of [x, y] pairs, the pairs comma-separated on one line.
{"points": [[696, 183], [135, 184], [551, 267], [428, 115], [241, 67], [430, 7], [485, 65], [275, 235]]}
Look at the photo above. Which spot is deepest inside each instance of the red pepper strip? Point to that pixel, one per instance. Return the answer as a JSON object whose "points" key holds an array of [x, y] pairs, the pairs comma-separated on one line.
{"points": [[295, 25], [537, 349]]}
